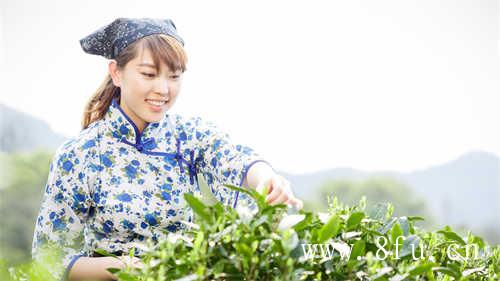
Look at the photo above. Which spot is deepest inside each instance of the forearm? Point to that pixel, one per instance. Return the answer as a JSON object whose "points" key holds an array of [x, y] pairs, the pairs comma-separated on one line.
{"points": [[93, 268], [258, 172]]}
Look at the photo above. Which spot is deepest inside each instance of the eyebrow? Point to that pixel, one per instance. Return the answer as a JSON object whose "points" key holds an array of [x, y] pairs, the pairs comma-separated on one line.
{"points": [[153, 66], [147, 64]]}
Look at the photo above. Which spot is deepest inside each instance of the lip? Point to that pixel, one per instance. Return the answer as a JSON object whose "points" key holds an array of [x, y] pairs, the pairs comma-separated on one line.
{"points": [[156, 100], [156, 108]]}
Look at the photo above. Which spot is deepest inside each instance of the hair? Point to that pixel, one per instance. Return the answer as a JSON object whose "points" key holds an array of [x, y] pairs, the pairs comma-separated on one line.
{"points": [[163, 48]]}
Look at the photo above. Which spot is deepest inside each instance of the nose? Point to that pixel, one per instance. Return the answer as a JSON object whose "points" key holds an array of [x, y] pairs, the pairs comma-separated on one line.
{"points": [[162, 86]]}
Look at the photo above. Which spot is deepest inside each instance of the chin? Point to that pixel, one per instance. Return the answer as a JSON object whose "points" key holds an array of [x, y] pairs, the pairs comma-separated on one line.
{"points": [[154, 120]]}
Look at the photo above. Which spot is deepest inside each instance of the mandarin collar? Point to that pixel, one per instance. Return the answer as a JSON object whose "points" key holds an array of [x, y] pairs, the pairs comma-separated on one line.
{"points": [[121, 127]]}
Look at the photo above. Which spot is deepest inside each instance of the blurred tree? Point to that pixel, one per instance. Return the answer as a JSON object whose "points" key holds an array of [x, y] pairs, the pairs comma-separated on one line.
{"points": [[21, 190], [378, 190]]}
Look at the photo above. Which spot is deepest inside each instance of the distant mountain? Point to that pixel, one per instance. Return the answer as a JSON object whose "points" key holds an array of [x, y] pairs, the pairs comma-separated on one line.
{"points": [[465, 191], [21, 132], [462, 192]]}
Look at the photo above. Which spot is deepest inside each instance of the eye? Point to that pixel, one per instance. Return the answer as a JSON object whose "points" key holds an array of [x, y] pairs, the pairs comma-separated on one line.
{"points": [[175, 76], [150, 75]]}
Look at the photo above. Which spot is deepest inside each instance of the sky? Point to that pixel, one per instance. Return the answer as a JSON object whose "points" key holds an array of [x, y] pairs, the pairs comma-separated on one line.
{"points": [[310, 85]]}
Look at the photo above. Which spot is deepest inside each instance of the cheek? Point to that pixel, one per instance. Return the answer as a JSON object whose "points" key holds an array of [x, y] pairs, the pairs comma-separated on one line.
{"points": [[174, 90], [144, 86]]}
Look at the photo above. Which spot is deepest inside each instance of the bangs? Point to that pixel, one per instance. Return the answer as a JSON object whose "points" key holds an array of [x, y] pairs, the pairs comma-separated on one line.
{"points": [[165, 49]]}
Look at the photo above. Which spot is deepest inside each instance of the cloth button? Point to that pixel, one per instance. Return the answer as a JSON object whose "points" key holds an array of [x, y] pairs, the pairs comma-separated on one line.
{"points": [[140, 147]]}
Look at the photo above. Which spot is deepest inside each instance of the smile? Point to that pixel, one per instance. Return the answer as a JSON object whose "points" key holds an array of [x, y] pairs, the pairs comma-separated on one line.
{"points": [[156, 102]]}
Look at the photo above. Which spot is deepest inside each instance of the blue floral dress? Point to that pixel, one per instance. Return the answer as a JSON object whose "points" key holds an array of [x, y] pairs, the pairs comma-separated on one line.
{"points": [[112, 186]]}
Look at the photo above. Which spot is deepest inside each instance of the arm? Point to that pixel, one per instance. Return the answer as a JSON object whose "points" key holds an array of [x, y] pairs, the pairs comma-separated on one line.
{"points": [[258, 173], [59, 239], [223, 161], [96, 268], [93, 268], [261, 174], [241, 166]]}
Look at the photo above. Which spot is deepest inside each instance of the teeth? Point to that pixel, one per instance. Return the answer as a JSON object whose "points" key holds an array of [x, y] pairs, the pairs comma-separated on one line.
{"points": [[157, 103]]}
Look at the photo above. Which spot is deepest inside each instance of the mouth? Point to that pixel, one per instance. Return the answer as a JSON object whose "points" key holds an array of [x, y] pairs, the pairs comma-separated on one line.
{"points": [[157, 105], [156, 102]]}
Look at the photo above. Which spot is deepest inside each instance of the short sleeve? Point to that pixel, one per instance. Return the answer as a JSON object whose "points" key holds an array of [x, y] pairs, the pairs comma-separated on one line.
{"points": [[225, 162], [63, 213]]}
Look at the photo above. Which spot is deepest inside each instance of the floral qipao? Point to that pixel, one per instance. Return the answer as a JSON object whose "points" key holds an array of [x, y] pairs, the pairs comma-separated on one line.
{"points": [[112, 186]]}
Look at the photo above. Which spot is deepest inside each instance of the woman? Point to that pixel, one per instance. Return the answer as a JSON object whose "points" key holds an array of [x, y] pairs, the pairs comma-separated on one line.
{"points": [[121, 180]]}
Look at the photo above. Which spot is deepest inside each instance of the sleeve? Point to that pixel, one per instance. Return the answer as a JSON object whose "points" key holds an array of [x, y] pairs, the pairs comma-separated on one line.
{"points": [[58, 239], [225, 162]]}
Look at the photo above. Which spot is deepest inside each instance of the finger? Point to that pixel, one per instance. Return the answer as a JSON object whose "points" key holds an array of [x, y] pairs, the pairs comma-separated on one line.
{"points": [[125, 261], [139, 264], [297, 203], [277, 190], [284, 187], [283, 197], [288, 187]]}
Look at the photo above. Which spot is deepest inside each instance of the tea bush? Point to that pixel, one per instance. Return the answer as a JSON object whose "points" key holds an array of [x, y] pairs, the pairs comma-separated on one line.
{"points": [[281, 243]]}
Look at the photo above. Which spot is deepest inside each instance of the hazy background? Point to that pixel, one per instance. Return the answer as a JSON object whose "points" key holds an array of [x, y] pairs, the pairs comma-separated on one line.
{"points": [[394, 100], [311, 85]]}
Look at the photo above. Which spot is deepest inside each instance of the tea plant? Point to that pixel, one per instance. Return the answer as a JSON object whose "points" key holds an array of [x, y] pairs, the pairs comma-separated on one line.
{"points": [[281, 243]]}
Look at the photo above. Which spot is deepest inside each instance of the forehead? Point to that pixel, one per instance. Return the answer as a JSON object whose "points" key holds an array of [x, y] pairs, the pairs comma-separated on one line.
{"points": [[145, 59]]}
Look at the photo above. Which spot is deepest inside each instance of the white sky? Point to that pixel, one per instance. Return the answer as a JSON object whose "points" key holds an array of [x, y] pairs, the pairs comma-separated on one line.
{"points": [[308, 84]]}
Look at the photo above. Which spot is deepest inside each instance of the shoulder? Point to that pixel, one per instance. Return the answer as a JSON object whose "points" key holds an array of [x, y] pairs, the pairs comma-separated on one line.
{"points": [[77, 150], [187, 121], [194, 126]]}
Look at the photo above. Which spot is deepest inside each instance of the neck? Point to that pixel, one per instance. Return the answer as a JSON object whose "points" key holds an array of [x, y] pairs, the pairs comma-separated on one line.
{"points": [[138, 122]]}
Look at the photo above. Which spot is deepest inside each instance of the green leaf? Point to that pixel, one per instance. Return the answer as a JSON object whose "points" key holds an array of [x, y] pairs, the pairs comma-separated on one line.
{"points": [[405, 225], [244, 249], [395, 233], [386, 227], [126, 276], [382, 272], [452, 236], [304, 223], [355, 219], [290, 240], [415, 218], [131, 253], [410, 243], [378, 211], [358, 249], [208, 197], [190, 277], [290, 221], [198, 207], [259, 198], [330, 229], [104, 253], [448, 271], [254, 194], [479, 241], [113, 269], [420, 269]]}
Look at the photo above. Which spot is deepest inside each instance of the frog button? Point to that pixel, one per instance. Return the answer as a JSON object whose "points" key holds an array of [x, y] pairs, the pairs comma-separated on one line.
{"points": [[140, 147]]}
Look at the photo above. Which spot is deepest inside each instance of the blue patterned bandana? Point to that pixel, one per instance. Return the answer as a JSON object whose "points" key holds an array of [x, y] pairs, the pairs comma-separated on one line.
{"points": [[108, 41]]}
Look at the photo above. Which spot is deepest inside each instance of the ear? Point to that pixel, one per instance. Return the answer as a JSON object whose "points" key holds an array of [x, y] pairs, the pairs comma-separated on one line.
{"points": [[114, 72]]}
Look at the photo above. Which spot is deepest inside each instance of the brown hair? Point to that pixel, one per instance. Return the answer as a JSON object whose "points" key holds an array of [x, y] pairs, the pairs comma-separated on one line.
{"points": [[162, 47]]}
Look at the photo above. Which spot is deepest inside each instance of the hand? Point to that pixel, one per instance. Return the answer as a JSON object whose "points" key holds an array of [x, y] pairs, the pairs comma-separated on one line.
{"points": [[279, 191], [133, 262]]}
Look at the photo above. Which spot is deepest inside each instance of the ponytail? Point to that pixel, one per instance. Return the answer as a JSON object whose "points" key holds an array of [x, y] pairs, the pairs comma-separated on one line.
{"points": [[99, 102]]}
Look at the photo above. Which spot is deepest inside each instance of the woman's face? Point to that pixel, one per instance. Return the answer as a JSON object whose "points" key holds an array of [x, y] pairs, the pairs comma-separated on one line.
{"points": [[146, 94]]}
